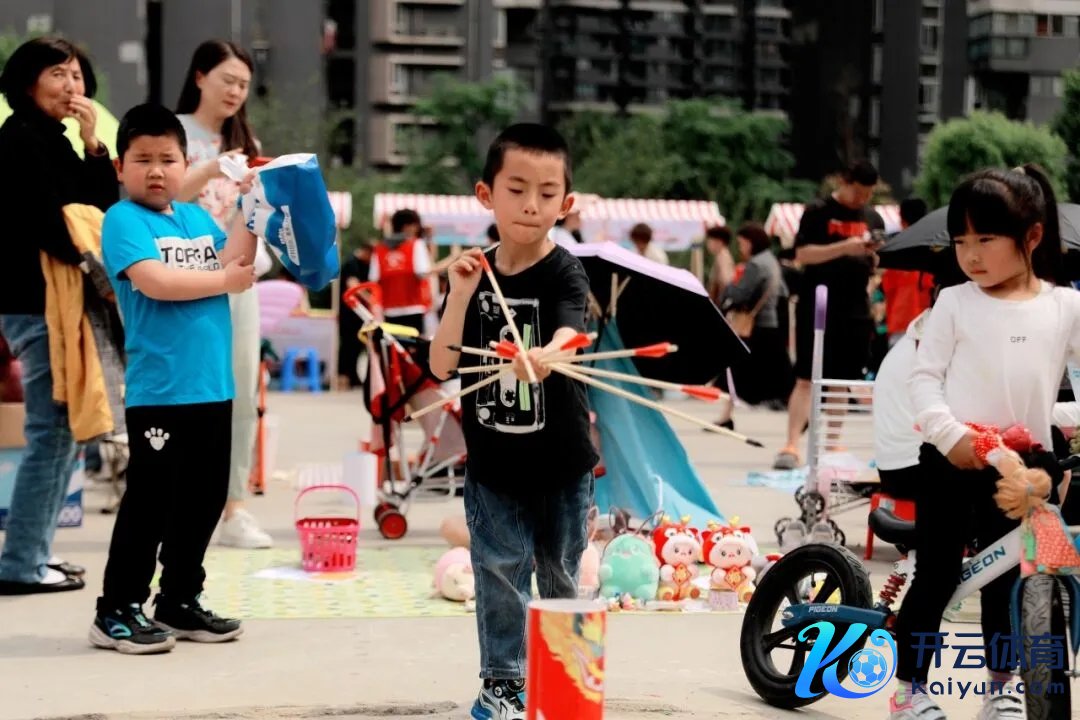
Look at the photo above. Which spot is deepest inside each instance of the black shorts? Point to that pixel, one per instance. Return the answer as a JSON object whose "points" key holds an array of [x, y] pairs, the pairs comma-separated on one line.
{"points": [[847, 347], [901, 484]]}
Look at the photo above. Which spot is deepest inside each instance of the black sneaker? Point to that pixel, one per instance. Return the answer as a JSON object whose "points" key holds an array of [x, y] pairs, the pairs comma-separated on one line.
{"points": [[128, 631], [191, 621]]}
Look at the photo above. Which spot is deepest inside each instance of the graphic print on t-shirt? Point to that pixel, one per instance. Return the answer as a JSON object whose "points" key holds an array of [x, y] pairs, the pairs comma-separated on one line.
{"points": [[509, 405], [847, 228], [194, 254]]}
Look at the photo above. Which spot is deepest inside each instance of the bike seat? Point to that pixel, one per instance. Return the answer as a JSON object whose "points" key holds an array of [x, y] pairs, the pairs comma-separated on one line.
{"points": [[892, 529]]}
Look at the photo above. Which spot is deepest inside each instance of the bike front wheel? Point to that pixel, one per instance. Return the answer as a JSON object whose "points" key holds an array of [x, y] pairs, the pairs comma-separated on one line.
{"points": [[1042, 627], [772, 655]]}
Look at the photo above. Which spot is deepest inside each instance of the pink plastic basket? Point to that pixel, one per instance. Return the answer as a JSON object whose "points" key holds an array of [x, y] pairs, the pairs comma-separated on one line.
{"points": [[327, 544]]}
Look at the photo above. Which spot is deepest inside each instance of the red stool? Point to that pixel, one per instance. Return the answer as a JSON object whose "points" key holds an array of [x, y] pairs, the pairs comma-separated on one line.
{"points": [[903, 509]]}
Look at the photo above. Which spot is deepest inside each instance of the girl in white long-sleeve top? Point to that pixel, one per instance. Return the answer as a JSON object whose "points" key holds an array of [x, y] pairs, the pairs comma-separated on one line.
{"points": [[993, 352]]}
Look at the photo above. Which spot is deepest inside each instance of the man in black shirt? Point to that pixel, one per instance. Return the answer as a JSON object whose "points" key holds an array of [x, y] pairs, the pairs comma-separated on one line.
{"points": [[837, 239]]}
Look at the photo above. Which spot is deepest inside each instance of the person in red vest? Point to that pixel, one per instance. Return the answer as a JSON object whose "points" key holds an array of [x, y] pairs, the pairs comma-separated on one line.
{"points": [[907, 292], [401, 265]]}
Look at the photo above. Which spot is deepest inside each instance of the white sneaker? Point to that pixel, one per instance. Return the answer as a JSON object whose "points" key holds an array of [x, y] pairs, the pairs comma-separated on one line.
{"points": [[243, 531], [918, 707], [1006, 705]]}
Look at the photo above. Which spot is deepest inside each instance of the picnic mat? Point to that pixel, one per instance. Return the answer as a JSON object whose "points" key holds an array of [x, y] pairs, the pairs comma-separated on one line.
{"points": [[387, 583], [269, 585]]}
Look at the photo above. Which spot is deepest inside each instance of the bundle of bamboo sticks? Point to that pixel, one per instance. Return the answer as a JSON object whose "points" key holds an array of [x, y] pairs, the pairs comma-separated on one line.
{"points": [[567, 361]]}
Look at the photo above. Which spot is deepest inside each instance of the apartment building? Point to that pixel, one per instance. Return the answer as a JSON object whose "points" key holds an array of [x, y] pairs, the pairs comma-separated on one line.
{"points": [[918, 79], [635, 55], [387, 55], [1018, 50]]}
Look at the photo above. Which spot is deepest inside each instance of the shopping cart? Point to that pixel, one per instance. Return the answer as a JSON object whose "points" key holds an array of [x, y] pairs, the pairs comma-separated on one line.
{"points": [[840, 449]]}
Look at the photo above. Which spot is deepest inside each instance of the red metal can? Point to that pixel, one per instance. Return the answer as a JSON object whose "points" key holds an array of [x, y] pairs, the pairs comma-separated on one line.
{"points": [[565, 676]]}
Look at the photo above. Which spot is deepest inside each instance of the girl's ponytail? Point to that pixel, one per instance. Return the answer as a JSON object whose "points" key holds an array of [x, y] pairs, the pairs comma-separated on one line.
{"points": [[1047, 260]]}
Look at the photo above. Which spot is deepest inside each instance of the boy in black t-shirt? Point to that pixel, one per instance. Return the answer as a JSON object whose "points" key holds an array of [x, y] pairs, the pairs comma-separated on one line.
{"points": [[529, 481]]}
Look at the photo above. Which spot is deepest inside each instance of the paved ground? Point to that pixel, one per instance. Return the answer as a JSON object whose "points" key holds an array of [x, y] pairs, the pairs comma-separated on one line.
{"points": [[658, 666]]}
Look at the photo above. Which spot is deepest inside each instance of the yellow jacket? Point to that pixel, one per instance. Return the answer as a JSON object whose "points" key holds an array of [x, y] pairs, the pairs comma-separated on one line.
{"points": [[78, 380]]}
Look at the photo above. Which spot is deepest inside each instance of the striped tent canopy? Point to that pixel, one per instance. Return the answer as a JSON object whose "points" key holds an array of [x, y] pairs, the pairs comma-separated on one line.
{"points": [[783, 220], [462, 220], [341, 202]]}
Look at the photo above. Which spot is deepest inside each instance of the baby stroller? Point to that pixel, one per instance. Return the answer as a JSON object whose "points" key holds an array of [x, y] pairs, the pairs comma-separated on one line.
{"points": [[396, 384]]}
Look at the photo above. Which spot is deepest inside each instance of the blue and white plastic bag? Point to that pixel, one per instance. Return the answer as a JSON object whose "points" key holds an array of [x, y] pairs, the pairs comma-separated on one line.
{"points": [[289, 207]]}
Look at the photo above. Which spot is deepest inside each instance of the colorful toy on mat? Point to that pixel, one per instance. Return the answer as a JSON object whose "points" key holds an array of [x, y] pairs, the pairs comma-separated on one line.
{"points": [[1047, 546], [589, 570], [1020, 488], [628, 567], [678, 549], [454, 575], [729, 552]]}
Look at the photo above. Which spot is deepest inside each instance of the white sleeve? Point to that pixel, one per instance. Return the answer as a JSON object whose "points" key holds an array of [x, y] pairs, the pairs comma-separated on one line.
{"points": [[1073, 298], [373, 269], [421, 259], [263, 262], [926, 384], [1066, 414]]}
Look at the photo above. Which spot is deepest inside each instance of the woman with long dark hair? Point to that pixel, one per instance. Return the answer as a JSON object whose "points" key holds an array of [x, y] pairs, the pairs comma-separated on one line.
{"points": [[213, 110], [45, 81]]}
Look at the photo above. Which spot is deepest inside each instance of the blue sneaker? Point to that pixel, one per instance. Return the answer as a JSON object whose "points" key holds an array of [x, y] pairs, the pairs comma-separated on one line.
{"points": [[500, 700], [127, 630]]}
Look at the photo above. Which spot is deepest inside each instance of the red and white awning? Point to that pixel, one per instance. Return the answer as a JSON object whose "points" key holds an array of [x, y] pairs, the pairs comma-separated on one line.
{"points": [[341, 202], [701, 212], [783, 220], [461, 219], [428, 206]]}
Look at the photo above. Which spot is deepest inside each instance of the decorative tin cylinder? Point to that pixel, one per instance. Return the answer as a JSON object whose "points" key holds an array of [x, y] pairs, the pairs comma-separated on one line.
{"points": [[565, 660]]}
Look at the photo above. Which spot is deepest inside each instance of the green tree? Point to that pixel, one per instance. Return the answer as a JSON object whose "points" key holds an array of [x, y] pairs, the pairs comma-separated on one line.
{"points": [[445, 156], [1067, 126], [964, 145], [698, 149]]}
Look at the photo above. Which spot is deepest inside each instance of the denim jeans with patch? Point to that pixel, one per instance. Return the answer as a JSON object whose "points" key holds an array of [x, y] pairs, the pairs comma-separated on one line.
{"points": [[41, 481], [507, 533]]}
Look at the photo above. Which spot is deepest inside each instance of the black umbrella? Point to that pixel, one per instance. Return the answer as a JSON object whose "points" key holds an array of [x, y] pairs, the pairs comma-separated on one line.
{"points": [[658, 303], [926, 245]]}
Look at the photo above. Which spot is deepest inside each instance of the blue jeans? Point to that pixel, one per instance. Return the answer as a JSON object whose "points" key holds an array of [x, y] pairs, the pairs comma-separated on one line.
{"points": [[507, 534], [42, 478]]}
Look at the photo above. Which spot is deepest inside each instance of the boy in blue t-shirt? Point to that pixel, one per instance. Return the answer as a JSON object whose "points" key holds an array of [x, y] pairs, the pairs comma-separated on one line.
{"points": [[172, 269]]}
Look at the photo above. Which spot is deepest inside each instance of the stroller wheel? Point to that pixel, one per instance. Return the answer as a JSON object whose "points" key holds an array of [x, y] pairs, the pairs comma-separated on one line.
{"points": [[393, 525], [381, 508]]}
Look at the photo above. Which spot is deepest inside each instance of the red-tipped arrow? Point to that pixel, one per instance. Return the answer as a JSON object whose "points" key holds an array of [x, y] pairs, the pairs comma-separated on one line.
{"points": [[581, 340], [484, 263], [506, 349], [654, 351], [649, 351], [703, 392]]}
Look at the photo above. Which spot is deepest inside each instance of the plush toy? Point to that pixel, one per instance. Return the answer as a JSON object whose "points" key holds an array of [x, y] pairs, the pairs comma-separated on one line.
{"points": [[1047, 546], [729, 551], [1020, 489], [454, 575], [678, 549], [628, 567]]}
